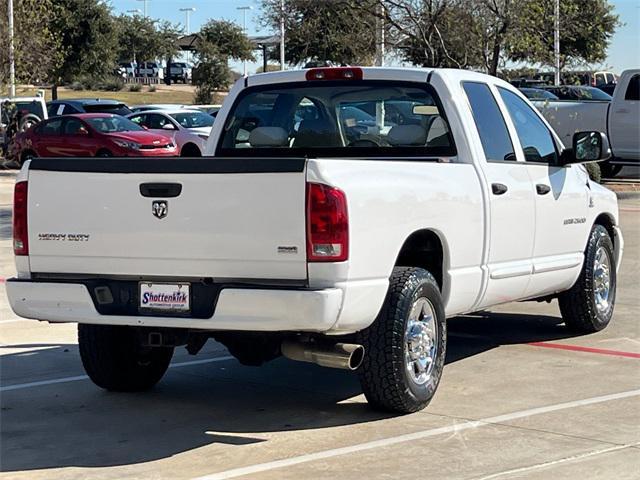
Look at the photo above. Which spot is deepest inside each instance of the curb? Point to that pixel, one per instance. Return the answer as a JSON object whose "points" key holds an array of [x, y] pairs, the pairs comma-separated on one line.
{"points": [[627, 195]]}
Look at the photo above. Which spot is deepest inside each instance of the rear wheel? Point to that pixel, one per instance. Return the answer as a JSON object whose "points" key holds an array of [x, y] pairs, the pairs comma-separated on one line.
{"points": [[190, 150], [115, 359], [609, 170], [405, 346], [588, 306]]}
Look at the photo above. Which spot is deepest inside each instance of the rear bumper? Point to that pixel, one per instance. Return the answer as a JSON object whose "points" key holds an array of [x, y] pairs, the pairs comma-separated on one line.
{"points": [[267, 310]]}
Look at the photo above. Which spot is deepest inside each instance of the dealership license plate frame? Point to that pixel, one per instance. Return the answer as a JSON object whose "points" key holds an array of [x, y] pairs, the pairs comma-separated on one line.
{"points": [[169, 310]]}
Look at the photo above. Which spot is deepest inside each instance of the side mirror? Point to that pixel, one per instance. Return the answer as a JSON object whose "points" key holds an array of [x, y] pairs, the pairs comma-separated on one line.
{"points": [[587, 147]]}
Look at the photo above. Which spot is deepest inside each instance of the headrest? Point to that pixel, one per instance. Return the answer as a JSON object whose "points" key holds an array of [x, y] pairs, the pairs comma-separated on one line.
{"points": [[407, 135], [268, 137]]}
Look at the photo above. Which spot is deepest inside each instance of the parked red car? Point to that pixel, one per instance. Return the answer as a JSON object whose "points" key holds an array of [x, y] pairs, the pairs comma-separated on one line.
{"points": [[90, 135]]}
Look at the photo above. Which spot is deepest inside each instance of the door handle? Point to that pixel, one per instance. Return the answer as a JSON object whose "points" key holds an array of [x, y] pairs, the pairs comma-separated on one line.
{"points": [[542, 189], [498, 188], [622, 110], [160, 190]]}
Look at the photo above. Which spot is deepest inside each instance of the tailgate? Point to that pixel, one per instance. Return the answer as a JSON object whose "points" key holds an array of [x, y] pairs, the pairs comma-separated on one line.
{"points": [[233, 219]]}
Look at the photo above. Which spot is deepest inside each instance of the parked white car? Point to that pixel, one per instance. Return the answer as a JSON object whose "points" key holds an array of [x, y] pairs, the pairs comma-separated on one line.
{"points": [[189, 129], [618, 118], [150, 69], [314, 236]]}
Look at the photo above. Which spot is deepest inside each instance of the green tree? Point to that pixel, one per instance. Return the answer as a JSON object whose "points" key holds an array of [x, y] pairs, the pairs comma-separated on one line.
{"points": [[218, 41], [36, 47], [338, 31], [136, 35], [88, 39], [586, 28]]}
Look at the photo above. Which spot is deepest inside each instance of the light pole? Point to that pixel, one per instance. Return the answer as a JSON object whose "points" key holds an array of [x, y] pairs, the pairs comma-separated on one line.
{"points": [[244, 28], [145, 7], [12, 58], [556, 42], [281, 34], [187, 12]]}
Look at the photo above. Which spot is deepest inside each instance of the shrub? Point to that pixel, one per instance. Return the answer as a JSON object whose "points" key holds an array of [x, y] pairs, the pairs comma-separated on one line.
{"points": [[76, 86], [114, 84], [152, 88], [594, 172], [135, 87], [203, 95]]}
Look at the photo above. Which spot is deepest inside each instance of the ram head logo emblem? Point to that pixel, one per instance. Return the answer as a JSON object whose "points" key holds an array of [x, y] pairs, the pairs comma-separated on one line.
{"points": [[160, 208]]}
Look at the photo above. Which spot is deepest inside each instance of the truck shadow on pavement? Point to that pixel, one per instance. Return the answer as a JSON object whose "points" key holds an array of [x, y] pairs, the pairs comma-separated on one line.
{"points": [[76, 424]]}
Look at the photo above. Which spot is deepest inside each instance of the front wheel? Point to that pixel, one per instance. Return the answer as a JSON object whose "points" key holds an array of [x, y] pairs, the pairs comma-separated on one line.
{"points": [[405, 346], [588, 306], [115, 359]]}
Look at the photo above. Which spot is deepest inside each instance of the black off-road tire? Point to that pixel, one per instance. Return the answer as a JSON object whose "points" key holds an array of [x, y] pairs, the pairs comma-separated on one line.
{"points": [[578, 305], [609, 170], [383, 374], [115, 360]]}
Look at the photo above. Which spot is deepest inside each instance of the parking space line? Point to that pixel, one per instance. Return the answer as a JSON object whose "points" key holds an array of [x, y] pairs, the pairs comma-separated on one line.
{"points": [[386, 442], [552, 463], [53, 381], [578, 348]]}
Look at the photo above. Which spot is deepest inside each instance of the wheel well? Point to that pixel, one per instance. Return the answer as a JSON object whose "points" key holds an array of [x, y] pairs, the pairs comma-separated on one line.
{"points": [[607, 222], [190, 150], [423, 249], [103, 151], [24, 155]]}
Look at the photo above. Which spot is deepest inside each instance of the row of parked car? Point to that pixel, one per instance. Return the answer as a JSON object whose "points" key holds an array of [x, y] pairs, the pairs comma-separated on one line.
{"points": [[177, 71], [104, 128]]}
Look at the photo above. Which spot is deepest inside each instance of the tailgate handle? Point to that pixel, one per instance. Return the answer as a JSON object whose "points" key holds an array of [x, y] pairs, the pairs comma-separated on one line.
{"points": [[157, 190]]}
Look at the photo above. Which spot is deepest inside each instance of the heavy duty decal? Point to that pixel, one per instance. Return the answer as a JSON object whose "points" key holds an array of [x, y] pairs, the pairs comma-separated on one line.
{"points": [[64, 237]]}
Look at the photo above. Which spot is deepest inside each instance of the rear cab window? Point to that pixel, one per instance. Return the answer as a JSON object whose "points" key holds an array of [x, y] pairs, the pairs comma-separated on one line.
{"points": [[633, 90], [355, 118], [490, 123]]}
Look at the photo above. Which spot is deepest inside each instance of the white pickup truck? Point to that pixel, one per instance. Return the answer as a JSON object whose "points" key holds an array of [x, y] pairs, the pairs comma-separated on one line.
{"points": [[342, 216], [618, 118]]}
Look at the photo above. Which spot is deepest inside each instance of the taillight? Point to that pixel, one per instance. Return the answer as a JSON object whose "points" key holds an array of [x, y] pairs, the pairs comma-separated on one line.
{"points": [[20, 233], [327, 224], [334, 73]]}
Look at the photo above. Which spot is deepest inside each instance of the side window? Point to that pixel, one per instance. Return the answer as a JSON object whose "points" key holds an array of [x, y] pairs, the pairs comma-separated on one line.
{"points": [[157, 122], [73, 126], [493, 132], [535, 137], [633, 90], [53, 127], [140, 120]]}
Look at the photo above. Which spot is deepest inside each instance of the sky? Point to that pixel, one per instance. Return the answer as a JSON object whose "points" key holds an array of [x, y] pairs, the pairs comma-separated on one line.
{"points": [[623, 52]]}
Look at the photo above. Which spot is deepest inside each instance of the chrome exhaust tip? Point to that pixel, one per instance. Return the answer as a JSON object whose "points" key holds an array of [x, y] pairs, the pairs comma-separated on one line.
{"points": [[345, 356]]}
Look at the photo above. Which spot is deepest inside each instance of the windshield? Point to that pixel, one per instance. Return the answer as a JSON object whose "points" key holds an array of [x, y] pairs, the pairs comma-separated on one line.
{"points": [[580, 93], [193, 119], [113, 124], [337, 118], [116, 109], [538, 94]]}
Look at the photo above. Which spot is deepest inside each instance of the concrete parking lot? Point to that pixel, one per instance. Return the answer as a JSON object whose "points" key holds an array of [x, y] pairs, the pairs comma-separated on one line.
{"points": [[520, 398]]}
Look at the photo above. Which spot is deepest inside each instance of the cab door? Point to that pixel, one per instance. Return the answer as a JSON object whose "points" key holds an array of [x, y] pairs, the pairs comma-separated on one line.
{"points": [[511, 205], [562, 199], [624, 119]]}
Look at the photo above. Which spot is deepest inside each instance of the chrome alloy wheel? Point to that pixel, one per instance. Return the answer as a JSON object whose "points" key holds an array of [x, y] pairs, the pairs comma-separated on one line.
{"points": [[602, 279], [421, 341]]}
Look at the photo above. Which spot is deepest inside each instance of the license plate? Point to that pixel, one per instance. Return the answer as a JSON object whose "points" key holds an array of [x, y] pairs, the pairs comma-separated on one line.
{"points": [[169, 297]]}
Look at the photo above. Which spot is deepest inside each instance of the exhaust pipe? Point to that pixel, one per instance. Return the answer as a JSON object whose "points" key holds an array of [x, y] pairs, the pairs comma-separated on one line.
{"points": [[347, 356]]}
